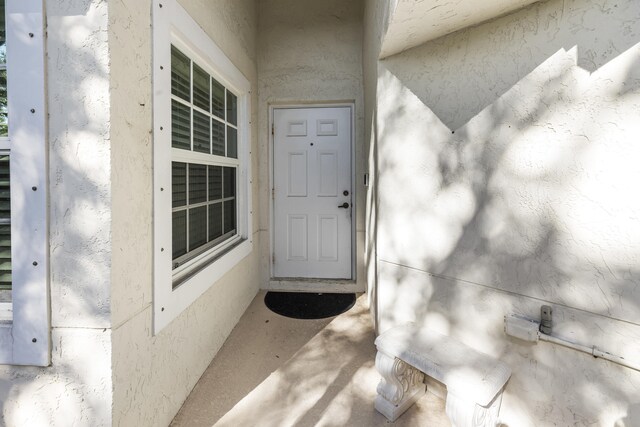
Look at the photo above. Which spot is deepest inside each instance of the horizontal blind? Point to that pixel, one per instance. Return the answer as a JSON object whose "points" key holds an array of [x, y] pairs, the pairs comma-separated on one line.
{"points": [[5, 224]]}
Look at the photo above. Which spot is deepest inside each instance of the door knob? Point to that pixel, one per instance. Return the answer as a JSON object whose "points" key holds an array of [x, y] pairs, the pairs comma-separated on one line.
{"points": [[345, 205]]}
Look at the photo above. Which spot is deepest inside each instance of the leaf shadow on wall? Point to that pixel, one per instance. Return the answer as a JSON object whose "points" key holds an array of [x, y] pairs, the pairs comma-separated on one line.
{"points": [[632, 419], [526, 203], [78, 200]]}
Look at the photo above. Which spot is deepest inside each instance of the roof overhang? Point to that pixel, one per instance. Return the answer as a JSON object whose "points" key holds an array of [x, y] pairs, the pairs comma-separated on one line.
{"points": [[414, 22]]}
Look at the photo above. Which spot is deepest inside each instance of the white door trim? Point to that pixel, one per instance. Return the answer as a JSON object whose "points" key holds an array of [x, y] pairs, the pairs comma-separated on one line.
{"points": [[329, 104]]}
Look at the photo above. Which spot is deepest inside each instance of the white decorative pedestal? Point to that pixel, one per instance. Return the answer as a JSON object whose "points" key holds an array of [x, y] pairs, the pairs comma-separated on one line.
{"points": [[475, 381], [401, 386]]}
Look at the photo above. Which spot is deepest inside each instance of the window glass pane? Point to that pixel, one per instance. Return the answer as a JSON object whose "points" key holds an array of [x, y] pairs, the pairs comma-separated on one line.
{"points": [[5, 229], [4, 129], [180, 126], [197, 227], [229, 215], [5, 262], [232, 108], [179, 233], [178, 184], [197, 184], [201, 132], [232, 142], [229, 182], [180, 74], [204, 119], [200, 88], [217, 99], [217, 137], [215, 182], [5, 193], [215, 221]]}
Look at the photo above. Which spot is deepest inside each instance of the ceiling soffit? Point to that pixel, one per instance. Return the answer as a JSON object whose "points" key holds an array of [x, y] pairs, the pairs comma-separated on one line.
{"points": [[414, 22]]}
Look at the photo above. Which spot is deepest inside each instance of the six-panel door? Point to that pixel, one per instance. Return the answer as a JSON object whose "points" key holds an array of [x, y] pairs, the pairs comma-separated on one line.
{"points": [[312, 192]]}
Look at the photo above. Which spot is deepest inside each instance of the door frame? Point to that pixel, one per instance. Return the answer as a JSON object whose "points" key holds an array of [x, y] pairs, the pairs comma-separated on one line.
{"points": [[313, 104]]}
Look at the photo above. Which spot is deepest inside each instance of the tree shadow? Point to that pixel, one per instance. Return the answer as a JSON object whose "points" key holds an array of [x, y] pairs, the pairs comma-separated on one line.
{"points": [[77, 81], [319, 383], [632, 419], [502, 186]]}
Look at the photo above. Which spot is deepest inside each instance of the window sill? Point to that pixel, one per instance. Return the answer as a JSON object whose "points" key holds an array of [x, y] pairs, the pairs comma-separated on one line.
{"points": [[205, 262]]}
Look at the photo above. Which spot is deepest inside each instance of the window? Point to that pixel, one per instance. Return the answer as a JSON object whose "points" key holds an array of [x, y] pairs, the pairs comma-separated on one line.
{"points": [[5, 228], [5, 189], [202, 209], [24, 319], [204, 133]]}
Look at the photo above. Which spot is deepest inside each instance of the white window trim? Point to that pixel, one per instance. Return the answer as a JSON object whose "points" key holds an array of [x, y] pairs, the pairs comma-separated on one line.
{"points": [[173, 25], [25, 339]]}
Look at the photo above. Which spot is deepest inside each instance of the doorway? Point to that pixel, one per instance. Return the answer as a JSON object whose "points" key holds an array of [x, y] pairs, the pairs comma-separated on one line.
{"points": [[313, 192]]}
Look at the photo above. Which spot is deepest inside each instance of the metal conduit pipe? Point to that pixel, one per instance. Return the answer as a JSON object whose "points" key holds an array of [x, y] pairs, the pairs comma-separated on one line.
{"points": [[594, 351], [528, 330]]}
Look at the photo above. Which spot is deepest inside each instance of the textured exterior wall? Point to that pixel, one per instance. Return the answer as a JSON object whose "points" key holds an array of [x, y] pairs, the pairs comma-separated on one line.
{"points": [[416, 22], [76, 388], [375, 23], [152, 375], [310, 51], [515, 144]]}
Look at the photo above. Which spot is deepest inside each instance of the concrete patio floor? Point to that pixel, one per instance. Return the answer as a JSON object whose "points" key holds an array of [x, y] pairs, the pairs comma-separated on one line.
{"points": [[274, 371]]}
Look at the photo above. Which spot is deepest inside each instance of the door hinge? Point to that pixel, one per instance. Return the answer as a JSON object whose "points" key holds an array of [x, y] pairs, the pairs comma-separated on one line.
{"points": [[273, 194], [272, 129], [273, 258]]}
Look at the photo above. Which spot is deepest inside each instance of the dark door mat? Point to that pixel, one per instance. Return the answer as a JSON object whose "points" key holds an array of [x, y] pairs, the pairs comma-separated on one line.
{"points": [[299, 305]]}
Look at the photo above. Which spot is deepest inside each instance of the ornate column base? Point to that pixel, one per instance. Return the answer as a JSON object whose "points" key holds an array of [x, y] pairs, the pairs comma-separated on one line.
{"points": [[465, 413], [401, 386]]}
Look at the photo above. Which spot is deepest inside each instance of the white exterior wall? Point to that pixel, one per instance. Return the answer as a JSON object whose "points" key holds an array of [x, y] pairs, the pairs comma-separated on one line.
{"points": [[153, 375], [530, 201], [76, 388], [310, 52], [375, 23]]}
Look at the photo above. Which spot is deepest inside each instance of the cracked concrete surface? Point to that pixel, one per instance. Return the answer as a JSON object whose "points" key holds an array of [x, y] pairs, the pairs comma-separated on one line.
{"points": [[276, 371]]}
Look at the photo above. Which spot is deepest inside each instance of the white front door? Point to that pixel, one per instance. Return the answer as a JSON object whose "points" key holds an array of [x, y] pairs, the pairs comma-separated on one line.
{"points": [[312, 192]]}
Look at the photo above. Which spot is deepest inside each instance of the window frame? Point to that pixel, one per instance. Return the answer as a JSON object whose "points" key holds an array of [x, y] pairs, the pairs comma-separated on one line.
{"points": [[25, 322], [175, 291]]}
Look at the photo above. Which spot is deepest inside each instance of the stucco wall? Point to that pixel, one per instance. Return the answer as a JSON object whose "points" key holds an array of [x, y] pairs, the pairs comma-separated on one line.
{"points": [[76, 388], [152, 375], [310, 51], [375, 23], [514, 145]]}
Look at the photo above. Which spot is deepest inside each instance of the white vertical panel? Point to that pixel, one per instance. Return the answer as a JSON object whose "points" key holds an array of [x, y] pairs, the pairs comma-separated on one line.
{"points": [[327, 238], [30, 334], [297, 238], [328, 173], [297, 174]]}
